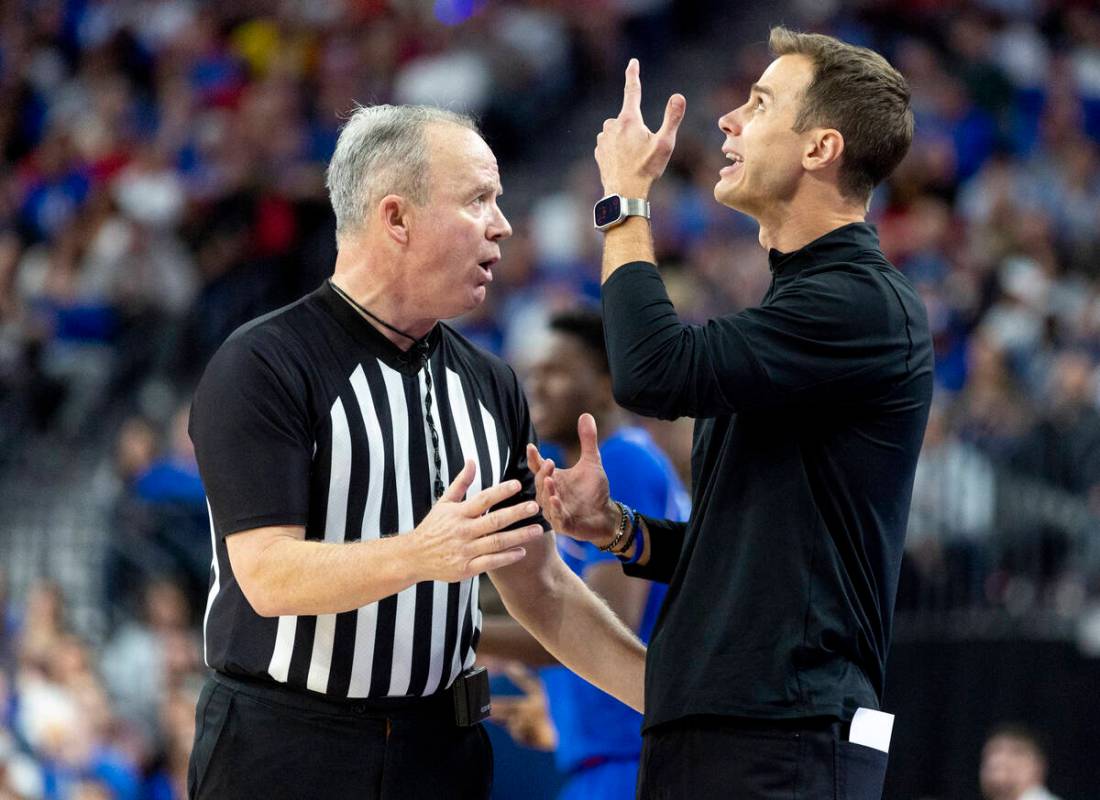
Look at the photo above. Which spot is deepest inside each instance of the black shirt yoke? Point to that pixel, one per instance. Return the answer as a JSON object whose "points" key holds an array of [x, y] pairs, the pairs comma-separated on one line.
{"points": [[810, 410], [309, 416]]}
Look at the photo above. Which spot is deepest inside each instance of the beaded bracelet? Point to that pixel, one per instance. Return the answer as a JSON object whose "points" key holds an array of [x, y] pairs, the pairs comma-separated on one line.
{"points": [[623, 520], [637, 537]]}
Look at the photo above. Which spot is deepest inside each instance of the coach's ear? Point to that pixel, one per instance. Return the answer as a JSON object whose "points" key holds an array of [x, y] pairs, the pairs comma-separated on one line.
{"points": [[393, 214], [823, 149]]}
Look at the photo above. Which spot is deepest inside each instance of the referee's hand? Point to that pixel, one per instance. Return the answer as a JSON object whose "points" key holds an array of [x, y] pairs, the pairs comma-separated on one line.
{"points": [[462, 538]]}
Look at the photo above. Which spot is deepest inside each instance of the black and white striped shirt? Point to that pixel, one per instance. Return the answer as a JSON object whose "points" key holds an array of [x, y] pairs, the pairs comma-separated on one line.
{"points": [[309, 416]]}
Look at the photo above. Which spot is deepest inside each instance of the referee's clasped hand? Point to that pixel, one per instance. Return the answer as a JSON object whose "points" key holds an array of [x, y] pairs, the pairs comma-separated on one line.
{"points": [[630, 156], [460, 538]]}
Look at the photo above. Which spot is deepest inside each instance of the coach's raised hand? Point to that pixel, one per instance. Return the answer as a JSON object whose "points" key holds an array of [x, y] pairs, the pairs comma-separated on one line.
{"points": [[630, 156], [576, 501]]}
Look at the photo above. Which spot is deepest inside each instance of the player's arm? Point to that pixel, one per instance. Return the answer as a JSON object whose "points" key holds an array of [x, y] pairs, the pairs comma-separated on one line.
{"points": [[282, 573]]}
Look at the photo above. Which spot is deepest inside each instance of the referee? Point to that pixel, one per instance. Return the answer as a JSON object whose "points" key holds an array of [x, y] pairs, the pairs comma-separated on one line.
{"points": [[364, 464], [765, 670]]}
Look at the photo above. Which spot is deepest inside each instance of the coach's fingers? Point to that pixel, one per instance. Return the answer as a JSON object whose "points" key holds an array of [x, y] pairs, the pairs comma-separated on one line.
{"points": [[534, 458], [545, 471], [553, 502], [674, 115], [495, 560], [555, 509], [487, 498], [461, 484], [632, 90], [589, 437]]}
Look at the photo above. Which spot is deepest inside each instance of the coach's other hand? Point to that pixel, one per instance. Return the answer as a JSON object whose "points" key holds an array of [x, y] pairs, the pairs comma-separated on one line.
{"points": [[576, 501], [630, 156], [462, 538]]}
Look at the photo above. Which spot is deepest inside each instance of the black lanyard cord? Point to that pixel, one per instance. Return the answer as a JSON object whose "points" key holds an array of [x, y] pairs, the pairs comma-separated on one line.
{"points": [[437, 487], [419, 351], [367, 313]]}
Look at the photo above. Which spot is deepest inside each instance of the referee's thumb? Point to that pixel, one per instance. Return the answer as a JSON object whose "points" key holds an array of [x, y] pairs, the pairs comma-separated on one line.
{"points": [[456, 492]]}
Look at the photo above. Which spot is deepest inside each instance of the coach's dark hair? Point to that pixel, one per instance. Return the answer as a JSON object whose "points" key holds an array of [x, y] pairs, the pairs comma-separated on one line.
{"points": [[857, 92], [585, 324]]}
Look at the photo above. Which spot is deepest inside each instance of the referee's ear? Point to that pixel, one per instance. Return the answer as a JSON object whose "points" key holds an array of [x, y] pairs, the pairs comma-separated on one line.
{"points": [[393, 214]]}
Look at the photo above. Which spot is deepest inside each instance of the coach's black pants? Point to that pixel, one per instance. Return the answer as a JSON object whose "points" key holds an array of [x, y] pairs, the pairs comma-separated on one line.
{"points": [[255, 741], [707, 758]]}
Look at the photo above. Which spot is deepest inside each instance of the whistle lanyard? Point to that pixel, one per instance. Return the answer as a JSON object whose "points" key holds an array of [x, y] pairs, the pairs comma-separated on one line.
{"points": [[437, 486], [420, 346]]}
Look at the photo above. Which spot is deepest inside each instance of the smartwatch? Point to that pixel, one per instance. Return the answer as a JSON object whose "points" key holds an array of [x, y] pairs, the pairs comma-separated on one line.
{"points": [[614, 209]]}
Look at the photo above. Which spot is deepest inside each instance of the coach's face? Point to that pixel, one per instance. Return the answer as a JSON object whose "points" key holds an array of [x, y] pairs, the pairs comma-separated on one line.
{"points": [[457, 242], [764, 152]]}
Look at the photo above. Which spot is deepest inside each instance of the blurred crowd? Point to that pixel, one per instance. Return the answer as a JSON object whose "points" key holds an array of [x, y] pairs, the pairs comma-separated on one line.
{"points": [[162, 183]]}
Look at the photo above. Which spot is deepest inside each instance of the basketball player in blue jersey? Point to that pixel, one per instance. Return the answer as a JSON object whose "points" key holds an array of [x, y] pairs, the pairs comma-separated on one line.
{"points": [[598, 738]]}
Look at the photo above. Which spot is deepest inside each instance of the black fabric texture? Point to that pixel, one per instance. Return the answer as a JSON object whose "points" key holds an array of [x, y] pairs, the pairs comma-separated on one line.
{"points": [[810, 410]]}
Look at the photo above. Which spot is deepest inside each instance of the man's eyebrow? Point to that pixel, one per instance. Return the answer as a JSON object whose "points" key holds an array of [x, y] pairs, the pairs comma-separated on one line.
{"points": [[761, 89]]}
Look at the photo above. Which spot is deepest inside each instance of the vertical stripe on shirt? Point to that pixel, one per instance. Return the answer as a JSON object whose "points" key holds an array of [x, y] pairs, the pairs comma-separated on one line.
{"points": [[386, 626], [405, 612], [456, 459], [440, 590], [339, 480], [347, 622], [460, 412], [367, 616]]}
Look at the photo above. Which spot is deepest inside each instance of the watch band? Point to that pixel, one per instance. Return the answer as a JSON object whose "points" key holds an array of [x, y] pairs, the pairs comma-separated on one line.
{"points": [[635, 207]]}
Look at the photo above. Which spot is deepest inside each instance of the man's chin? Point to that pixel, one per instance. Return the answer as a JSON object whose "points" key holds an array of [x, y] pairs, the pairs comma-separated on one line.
{"points": [[727, 195], [471, 301]]}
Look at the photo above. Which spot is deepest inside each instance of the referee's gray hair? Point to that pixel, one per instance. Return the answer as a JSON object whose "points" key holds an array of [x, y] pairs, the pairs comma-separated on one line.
{"points": [[382, 150]]}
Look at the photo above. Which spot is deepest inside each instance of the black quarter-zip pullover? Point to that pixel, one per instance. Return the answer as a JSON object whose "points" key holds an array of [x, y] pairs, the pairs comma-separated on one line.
{"points": [[810, 410]]}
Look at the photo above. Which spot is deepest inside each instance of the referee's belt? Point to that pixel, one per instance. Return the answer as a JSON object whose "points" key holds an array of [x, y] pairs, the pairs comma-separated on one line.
{"points": [[438, 707]]}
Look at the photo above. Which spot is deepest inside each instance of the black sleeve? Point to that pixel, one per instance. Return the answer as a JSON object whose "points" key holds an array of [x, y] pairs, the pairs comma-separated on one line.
{"points": [[253, 440], [666, 541], [823, 335]]}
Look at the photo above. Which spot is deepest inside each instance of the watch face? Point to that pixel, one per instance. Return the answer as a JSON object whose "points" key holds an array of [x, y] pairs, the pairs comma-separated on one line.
{"points": [[607, 210]]}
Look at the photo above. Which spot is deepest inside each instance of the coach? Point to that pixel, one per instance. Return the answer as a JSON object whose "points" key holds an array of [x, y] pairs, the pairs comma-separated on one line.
{"points": [[810, 410], [364, 464]]}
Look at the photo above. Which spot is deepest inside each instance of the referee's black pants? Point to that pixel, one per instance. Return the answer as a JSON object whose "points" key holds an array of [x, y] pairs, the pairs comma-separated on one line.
{"points": [[256, 741], [726, 758]]}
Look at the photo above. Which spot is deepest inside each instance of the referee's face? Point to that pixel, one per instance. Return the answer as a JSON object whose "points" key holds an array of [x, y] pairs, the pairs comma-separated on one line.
{"points": [[457, 243]]}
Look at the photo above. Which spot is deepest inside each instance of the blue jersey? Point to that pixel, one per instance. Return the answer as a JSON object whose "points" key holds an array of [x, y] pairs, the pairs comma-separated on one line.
{"points": [[590, 723]]}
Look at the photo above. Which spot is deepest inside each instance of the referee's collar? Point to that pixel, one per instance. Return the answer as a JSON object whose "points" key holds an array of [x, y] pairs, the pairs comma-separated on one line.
{"points": [[409, 361]]}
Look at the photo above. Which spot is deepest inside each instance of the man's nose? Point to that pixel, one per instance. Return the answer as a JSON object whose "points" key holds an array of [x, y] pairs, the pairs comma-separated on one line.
{"points": [[500, 227], [730, 124]]}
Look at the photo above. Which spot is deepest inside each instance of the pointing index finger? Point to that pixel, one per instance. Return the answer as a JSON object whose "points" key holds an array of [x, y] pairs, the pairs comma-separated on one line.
{"points": [[632, 89]]}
